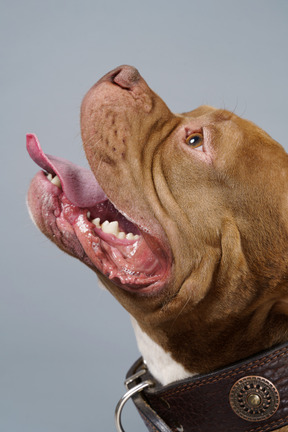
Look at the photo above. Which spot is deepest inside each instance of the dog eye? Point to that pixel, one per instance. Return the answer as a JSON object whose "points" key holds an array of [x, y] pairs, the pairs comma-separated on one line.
{"points": [[194, 140]]}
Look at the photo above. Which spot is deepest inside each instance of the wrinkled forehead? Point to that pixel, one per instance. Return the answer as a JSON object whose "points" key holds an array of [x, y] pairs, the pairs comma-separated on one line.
{"points": [[208, 114], [219, 122], [225, 126]]}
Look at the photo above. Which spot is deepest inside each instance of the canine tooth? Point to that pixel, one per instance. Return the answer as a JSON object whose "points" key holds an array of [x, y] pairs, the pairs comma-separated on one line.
{"points": [[88, 215], [96, 222], [50, 177], [110, 227], [121, 235], [56, 181], [130, 236]]}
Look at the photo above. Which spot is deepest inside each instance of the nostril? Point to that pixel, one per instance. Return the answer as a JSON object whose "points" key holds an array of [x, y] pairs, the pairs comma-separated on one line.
{"points": [[126, 77]]}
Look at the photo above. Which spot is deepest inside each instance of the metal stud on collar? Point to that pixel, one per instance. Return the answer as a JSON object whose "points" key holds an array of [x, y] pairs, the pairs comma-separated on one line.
{"points": [[131, 392], [254, 398]]}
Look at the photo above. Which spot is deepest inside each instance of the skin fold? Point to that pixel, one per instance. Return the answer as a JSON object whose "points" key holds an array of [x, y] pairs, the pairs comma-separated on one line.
{"points": [[214, 217]]}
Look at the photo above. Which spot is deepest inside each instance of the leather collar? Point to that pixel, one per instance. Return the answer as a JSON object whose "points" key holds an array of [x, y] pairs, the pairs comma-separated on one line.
{"points": [[250, 396]]}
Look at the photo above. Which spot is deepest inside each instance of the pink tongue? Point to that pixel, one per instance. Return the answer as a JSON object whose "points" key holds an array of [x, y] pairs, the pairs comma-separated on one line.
{"points": [[78, 184]]}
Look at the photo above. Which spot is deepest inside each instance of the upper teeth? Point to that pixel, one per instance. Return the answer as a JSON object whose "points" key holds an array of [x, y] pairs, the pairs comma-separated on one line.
{"points": [[113, 228]]}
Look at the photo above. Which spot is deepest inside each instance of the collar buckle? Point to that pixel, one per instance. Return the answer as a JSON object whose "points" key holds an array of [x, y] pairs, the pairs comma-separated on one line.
{"points": [[131, 391]]}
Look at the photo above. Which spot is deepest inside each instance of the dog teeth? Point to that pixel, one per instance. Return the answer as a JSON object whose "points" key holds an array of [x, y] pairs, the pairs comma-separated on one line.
{"points": [[110, 227], [107, 227], [55, 180], [113, 228], [96, 222]]}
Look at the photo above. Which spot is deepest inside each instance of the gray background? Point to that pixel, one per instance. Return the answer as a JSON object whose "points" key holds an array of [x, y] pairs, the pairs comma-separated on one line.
{"points": [[65, 344]]}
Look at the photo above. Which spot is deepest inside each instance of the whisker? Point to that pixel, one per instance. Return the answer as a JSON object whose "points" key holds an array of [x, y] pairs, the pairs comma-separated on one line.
{"points": [[99, 164], [181, 311]]}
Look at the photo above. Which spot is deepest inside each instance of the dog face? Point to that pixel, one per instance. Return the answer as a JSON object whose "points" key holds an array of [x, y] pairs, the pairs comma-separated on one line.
{"points": [[203, 199]]}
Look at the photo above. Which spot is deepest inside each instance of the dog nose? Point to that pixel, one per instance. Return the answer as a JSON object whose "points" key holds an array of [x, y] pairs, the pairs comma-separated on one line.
{"points": [[126, 77]]}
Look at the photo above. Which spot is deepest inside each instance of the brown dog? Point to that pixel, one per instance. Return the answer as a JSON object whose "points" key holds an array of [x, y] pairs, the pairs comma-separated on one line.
{"points": [[197, 251]]}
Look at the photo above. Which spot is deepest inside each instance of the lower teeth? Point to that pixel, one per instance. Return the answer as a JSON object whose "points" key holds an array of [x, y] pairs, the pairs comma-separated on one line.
{"points": [[107, 227], [113, 228], [55, 180]]}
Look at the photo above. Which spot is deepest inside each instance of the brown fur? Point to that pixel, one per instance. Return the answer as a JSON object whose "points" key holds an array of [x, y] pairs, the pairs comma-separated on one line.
{"points": [[224, 221]]}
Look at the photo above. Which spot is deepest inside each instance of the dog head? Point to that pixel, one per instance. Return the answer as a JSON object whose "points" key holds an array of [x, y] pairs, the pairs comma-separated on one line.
{"points": [[197, 248]]}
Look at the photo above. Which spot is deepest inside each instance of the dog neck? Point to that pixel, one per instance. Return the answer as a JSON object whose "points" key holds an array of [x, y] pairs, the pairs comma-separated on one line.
{"points": [[159, 362]]}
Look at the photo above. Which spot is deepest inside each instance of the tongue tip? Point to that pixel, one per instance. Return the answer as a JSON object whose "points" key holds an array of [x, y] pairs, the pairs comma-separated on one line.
{"points": [[31, 140], [36, 153], [33, 146]]}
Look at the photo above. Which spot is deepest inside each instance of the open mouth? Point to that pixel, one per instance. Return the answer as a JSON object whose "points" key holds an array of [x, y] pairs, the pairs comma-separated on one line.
{"points": [[70, 207]]}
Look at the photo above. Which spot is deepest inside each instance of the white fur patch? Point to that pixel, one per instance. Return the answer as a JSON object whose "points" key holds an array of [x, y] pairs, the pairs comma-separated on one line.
{"points": [[159, 362]]}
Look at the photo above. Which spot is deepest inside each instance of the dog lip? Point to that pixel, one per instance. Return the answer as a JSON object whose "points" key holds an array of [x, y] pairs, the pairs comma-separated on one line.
{"points": [[134, 265]]}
